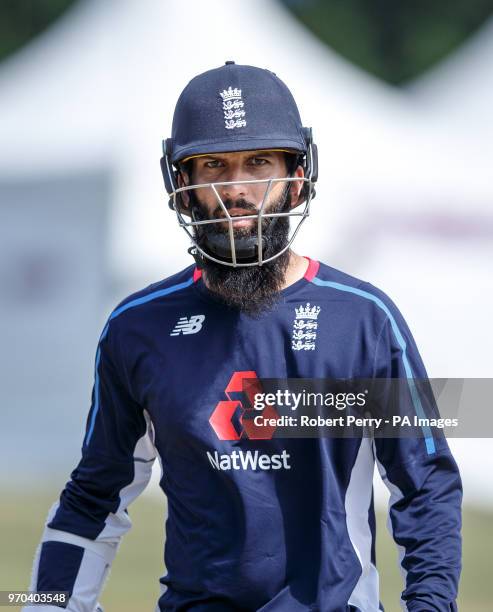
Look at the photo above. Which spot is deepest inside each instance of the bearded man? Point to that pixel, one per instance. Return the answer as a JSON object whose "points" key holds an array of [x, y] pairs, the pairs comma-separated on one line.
{"points": [[257, 520]]}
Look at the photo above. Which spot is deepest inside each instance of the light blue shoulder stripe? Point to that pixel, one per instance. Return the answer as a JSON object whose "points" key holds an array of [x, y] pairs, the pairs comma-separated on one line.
{"points": [[118, 311], [429, 441]]}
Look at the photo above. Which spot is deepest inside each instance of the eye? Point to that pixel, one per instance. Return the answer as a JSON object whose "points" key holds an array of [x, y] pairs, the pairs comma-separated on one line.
{"points": [[259, 161], [213, 163]]}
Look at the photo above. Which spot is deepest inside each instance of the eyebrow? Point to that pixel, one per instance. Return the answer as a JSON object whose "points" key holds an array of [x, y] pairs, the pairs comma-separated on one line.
{"points": [[218, 156]]}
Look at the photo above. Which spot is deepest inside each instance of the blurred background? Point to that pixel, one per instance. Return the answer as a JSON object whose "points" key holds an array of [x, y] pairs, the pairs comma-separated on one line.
{"points": [[399, 95]]}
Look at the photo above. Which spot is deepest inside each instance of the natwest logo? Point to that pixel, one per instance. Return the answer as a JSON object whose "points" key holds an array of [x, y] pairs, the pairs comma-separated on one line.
{"points": [[244, 460], [232, 419]]}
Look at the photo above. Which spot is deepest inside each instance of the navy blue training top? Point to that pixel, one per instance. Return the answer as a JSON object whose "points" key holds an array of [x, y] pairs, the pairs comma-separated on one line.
{"points": [[255, 524]]}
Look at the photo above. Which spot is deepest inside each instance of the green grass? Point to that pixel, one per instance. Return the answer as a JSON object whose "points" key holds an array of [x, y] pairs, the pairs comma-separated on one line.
{"points": [[133, 582], [476, 586]]}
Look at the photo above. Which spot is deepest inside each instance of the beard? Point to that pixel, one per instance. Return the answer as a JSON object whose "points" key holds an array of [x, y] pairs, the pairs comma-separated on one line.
{"points": [[251, 289]]}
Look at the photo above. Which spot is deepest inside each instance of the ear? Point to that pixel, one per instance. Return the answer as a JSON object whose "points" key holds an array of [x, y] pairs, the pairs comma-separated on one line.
{"points": [[296, 187], [183, 181]]}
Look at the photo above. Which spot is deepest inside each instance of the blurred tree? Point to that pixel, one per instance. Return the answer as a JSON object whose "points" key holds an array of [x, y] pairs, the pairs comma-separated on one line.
{"points": [[21, 20], [392, 39]]}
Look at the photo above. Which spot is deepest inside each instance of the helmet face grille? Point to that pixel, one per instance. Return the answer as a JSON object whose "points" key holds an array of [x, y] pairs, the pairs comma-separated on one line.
{"points": [[227, 248]]}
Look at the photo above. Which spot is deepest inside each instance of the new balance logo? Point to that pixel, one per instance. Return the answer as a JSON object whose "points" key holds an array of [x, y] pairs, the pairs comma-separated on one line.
{"points": [[188, 326]]}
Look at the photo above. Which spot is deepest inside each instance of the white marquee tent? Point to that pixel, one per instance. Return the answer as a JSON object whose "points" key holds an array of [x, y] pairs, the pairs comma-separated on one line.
{"points": [[405, 193]]}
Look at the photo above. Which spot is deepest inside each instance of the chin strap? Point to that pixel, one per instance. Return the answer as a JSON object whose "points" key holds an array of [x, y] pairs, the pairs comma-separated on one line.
{"points": [[197, 255]]}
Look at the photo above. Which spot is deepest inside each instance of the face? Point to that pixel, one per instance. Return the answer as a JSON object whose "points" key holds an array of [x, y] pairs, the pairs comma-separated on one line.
{"points": [[251, 289], [240, 199]]}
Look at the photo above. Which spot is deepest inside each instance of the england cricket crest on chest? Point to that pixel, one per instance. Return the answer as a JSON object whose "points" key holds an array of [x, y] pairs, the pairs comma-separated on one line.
{"points": [[305, 324]]}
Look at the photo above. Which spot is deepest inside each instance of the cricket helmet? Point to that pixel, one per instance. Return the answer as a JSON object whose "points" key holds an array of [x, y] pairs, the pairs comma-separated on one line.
{"points": [[229, 109]]}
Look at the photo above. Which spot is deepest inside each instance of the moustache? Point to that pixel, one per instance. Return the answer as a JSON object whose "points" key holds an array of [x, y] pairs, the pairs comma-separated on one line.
{"points": [[229, 204]]}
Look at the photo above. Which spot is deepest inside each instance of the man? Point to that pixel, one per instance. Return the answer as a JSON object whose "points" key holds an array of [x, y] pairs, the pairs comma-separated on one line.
{"points": [[256, 522]]}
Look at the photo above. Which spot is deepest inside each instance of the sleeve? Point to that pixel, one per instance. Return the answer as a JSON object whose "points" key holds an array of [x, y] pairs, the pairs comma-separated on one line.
{"points": [[424, 483], [84, 528]]}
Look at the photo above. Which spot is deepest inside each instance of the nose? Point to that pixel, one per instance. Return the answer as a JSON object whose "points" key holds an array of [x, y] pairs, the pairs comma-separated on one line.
{"points": [[236, 190]]}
